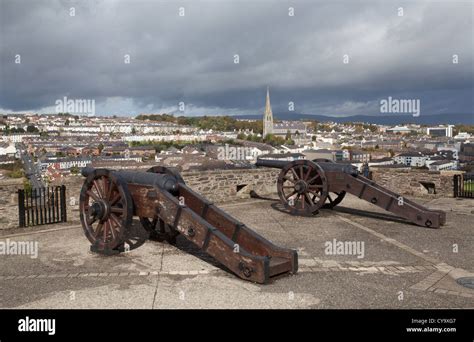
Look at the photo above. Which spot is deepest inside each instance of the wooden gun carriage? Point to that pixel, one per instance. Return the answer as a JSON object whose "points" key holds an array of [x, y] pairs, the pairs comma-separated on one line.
{"points": [[305, 186], [167, 207]]}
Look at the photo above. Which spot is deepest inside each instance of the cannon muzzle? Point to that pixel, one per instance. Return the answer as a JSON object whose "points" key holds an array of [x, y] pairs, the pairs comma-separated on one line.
{"points": [[276, 164], [164, 181]]}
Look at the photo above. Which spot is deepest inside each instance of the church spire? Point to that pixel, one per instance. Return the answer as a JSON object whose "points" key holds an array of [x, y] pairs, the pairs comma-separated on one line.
{"points": [[267, 116]]}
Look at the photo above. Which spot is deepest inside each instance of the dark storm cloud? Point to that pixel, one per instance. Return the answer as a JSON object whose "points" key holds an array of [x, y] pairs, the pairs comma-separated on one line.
{"points": [[191, 58]]}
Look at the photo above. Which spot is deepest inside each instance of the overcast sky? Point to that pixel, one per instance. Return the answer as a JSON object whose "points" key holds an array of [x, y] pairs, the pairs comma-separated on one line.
{"points": [[191, 58]]}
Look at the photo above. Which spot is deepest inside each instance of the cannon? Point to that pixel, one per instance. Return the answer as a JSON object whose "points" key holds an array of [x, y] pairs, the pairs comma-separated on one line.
{"points": [[305, 186], [166, 207]]}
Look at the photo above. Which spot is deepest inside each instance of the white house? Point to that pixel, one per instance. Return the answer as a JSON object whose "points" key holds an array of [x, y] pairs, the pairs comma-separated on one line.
{"points": [[441, 165], [7, 149], [416, 159]]}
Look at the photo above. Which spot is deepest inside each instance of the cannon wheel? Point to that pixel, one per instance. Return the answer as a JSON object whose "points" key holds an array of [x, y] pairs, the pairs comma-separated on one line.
{"points": [[302, 187], [336, 197], [156, 227], [106, 211]]}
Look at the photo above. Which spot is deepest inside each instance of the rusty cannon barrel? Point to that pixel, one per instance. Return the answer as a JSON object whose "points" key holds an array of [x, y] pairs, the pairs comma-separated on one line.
{"points": [[167, 182], [276, 164], [305, 186], [166, 208], [325, 164]]}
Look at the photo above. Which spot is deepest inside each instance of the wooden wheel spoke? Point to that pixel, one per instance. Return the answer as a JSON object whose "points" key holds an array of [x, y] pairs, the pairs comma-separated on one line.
{"points": [[105, 231], [115, 199], [98, 229], [112, 230], [308, 173], [295, 176], [91, 220], [316, 193], [117, 210], [329, 198], [316, 186], [110, 186], [94, 196], [95, 184], [301, 172], [288, 187], [115, 219], [289, 179], [291, 194], [314, 178], [308, 198], [105, 186]]}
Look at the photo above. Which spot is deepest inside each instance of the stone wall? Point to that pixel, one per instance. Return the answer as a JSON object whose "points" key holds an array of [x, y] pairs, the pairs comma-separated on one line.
{"points": [[228, 185], [417, 183], [222, 186], [9, 202]]}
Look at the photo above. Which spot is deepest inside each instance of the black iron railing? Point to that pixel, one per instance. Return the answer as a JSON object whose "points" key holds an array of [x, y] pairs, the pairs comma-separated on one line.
{"points": [[42, 206], [464, 185]]}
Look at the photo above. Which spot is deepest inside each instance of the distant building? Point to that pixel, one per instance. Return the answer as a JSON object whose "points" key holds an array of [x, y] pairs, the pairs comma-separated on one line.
{"points": [[399, 129], [291, 127], [462, 136], [440, 131], [7, 149], [381, 161], [283, 156], [359, 156], [466, 154], [267, 116], [441, 165], [415, 159], [282, 128]]}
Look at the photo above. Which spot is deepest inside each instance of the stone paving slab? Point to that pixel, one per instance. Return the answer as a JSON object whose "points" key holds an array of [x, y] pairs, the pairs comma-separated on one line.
{"points": [[403, 266]]}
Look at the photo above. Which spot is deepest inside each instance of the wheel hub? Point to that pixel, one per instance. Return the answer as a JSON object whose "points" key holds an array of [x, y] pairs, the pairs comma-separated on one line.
{"points": [[100, 210], [301, 187]]}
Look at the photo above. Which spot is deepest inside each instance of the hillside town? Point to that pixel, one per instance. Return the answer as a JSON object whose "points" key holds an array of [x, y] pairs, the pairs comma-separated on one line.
{"points": [[56, 146]]}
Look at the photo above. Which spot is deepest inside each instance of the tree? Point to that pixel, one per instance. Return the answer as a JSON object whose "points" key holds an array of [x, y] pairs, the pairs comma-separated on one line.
{"points": [[100, 147], [74, 170], [27, 186], [31, 129], [66, 123]]}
